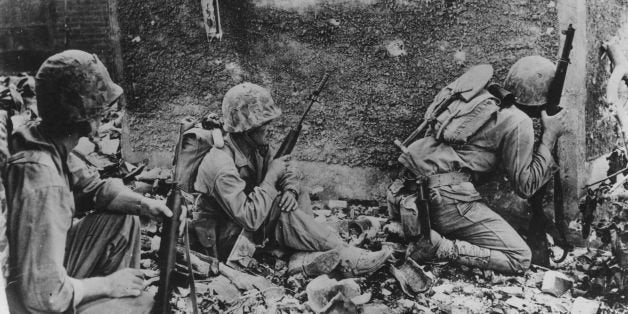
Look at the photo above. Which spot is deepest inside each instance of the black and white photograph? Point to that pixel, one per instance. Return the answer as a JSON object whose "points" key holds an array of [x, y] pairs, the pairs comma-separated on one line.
{"points": [[314, 156]]}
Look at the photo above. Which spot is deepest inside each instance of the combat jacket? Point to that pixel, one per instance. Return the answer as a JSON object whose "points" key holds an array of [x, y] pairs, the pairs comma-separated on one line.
{"points": [[234, 194], [44, 184], [506, 141]]}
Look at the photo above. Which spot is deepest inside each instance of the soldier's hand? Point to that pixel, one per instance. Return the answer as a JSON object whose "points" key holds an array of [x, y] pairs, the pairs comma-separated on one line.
{"points": [[155, 209], [554, 126], [288, 201], [127, 282], [277, 169]]}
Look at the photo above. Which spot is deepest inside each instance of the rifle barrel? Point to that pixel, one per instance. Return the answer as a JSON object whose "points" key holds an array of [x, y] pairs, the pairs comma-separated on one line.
{"points": [[314, 96]]}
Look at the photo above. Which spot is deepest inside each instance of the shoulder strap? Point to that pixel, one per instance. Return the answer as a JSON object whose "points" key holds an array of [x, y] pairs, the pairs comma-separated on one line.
{"points": [[464, 119], [31, 156]]}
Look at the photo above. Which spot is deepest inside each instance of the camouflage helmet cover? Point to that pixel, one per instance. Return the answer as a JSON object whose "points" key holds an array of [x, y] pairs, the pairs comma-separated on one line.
{"points": [[529, 80], [73, 86], [247, 106]]}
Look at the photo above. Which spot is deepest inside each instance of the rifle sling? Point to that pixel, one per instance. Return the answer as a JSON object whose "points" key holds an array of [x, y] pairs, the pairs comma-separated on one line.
{"points": [[186, 239]]}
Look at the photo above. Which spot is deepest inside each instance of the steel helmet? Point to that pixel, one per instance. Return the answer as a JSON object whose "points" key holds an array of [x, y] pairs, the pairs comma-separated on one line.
{"points": [[529, 80], [247, 106], [73, 87]]}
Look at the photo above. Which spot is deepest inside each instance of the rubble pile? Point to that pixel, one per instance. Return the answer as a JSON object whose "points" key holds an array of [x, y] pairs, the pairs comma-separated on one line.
{"points": [[592, 279], [572, 287]]}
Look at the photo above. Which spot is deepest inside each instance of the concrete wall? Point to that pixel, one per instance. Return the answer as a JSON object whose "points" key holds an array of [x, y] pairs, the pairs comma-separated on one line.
{"points": [[32, 30], [373, 98]]}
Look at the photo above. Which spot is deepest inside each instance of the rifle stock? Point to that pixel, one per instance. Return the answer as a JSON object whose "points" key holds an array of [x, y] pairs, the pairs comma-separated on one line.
{"points": [[290, 141]]}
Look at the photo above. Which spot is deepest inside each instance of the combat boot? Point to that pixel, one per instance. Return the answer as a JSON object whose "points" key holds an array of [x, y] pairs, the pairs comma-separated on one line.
{"points": [[440, 249], [357, 262], [313, 264], [423, 250]]}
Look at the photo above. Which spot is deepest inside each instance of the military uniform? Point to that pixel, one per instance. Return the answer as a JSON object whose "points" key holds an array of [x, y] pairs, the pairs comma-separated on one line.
{"points": [[235, 198], [49, 249], [480, 236]]}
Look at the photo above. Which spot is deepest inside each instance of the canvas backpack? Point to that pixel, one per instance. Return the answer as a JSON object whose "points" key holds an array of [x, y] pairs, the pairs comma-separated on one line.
{"points": [[453, 119], [196, 143]]}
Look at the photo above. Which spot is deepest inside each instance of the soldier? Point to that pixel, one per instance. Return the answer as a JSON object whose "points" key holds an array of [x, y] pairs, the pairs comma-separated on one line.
{"points": [[55, 264], [247, 194], [465, 229]]}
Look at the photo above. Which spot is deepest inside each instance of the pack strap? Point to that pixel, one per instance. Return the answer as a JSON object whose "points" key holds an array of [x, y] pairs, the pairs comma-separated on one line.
{"points": [[186, 242], [186, 239]]}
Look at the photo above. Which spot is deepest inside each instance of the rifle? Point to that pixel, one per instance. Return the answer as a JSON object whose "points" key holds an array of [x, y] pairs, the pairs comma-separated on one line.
{"points": [[539, 221], [291, 139], [169, 236]]}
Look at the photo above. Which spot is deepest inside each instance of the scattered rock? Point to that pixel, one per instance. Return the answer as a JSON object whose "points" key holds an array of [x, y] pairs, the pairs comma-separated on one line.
{"points": [[336, 204], [510, 290], [556, 283], [396, 48], [447, 288], [327, 295], [333, 22], [584, 306], [518, 303]]}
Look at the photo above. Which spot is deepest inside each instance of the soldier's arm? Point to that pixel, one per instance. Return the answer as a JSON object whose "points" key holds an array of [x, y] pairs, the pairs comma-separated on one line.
{"points": [[527, 168], [219, 178], [291, 180]]}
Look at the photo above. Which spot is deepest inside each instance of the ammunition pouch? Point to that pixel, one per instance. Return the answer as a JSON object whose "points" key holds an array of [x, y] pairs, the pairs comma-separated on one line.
{"points": [[409, 214]]}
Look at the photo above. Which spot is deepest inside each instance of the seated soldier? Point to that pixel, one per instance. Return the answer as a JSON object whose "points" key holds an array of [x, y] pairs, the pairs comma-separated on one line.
{"points": [[55, 264], [465, 229], [247, 194]]}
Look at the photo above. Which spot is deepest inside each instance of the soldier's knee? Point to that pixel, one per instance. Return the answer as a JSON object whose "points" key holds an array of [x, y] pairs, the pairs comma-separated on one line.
{"points": [[521, 259]]}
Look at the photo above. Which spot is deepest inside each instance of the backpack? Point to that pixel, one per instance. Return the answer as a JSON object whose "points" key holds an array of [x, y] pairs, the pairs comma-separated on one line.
{"points": [[453, 117], [195, 144]]}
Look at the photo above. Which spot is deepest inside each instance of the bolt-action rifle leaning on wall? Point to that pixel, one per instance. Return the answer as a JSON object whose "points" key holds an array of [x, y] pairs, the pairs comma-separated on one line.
{"points": [[291, 139], [538, 222]]}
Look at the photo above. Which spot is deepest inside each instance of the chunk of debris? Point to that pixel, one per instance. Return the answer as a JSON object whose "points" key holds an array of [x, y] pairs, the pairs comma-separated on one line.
{"points": [[513, 291], [333, 22], [328, 295], [584, 306], [396, 48], [336, 204], [518, 303], [556, 283]]}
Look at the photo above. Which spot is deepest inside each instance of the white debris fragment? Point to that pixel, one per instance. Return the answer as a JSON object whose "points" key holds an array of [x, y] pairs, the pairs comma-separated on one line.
{"points": [[556, 283], [396, 48], [584, 306]]}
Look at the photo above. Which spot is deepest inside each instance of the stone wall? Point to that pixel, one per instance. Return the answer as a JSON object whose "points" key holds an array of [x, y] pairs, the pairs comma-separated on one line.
{"points": [[373, 97], [32, 30]]}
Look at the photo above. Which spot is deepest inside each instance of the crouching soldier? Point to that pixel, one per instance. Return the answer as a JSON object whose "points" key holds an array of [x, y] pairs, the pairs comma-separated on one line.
{"points": [[57, 265], [247, 198], [465, 230]]}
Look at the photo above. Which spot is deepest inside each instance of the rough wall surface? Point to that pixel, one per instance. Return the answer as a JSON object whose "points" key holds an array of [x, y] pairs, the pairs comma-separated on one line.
{"points": [[372, 97], [32, 30], [606, 21]]}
